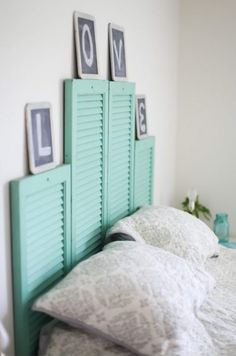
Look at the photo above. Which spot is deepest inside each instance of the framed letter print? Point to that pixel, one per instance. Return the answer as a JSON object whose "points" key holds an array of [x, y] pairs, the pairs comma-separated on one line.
{"points": [[86, 48], [141, 116], [117, 52], [40, 137]]}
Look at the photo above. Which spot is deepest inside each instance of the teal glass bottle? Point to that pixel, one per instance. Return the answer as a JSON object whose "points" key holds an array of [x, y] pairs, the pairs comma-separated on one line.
{"points": [[221, 227]]}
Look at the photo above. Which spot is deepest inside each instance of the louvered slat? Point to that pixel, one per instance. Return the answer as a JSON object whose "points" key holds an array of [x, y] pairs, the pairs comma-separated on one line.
{"points": [[40, 207], [144, 162], [85, 149]]}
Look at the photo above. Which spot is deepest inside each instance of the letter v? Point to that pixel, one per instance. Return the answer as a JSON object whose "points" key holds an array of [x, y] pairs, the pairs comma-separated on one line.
{"points": [[118, 56]]}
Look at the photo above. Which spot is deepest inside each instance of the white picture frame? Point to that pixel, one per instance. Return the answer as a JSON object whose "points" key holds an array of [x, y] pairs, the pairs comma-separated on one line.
{"points": [[141, 117], [40, 137], [85, 37], [117, 52]]}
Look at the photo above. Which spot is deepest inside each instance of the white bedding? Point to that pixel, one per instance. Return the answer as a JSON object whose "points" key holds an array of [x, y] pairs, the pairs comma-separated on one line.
{"points": [[218, 315]]}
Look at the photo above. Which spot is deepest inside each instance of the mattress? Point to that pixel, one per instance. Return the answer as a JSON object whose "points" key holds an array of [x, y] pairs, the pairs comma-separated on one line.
{"points": [[218, 315]]}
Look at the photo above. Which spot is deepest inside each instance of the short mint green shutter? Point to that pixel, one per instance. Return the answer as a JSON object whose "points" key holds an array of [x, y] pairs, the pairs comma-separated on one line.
{"points": [[144, 168], [40, 220], [86, 120], [121, 150]]}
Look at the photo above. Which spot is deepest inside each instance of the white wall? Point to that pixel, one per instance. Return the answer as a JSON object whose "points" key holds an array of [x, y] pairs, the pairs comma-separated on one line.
{"points": [[207, 104], [36, 54]]}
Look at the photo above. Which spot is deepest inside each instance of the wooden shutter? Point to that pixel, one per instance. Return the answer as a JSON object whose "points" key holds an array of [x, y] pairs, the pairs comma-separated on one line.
{"points": [[40, 211], [121, 150], [85, 148], [144, 161]]}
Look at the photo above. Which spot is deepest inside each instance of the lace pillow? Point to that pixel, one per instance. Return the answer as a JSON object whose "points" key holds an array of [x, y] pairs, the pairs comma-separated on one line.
{"points": [[136, 295], [173, 230]]}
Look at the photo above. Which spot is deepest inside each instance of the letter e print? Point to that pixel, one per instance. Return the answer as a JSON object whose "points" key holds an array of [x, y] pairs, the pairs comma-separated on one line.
{"points": [[141, 117]]}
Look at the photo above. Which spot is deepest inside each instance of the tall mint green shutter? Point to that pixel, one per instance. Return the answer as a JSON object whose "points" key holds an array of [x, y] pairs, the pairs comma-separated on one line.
{"points": [[121, 150], [86, 120], [40, 221], [144, 168]]}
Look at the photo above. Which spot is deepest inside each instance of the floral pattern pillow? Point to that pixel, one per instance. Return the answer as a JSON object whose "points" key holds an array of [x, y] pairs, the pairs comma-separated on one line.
{"points": [[173, 230], [136, 295]]}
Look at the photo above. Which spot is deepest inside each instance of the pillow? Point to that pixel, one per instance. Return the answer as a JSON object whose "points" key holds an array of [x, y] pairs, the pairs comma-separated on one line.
{"points": [[128, 229], [118, 236], [59, 339], [136, 295], [173, 230]]}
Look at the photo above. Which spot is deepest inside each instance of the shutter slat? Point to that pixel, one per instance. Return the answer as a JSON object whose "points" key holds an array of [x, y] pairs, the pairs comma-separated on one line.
{"points": [[95, 234], [55, 238], [82, 98], [95, 247], [84, 148], [39, 230], [90, 201], [90, 151], [90, 125], [85, 243], [97, 215], [49, 277], [91, 104], [84, 113], [96, 157], [41, 253]]}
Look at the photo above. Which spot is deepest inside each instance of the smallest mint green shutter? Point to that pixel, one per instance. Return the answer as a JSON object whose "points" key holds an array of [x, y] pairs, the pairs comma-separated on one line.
{"points": [[144, 167], [41, 247]]}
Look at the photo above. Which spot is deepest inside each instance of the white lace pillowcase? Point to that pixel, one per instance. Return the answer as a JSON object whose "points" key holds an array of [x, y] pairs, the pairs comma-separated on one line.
{"points": [[136, 295], [173, 230]]}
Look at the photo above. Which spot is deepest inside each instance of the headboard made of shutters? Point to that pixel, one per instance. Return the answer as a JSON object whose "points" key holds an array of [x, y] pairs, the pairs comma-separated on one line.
{"points": [[60, 217], [41, 247]]}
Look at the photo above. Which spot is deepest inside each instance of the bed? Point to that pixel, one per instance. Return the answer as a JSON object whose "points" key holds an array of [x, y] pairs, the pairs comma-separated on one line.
{"points": [[217, 315], [59, 222], [213, 320]]}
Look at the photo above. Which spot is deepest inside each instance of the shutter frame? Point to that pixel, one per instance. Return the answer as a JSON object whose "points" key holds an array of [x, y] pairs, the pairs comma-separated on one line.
{"points": [[25, 195], [121, 149], [86, 129]]}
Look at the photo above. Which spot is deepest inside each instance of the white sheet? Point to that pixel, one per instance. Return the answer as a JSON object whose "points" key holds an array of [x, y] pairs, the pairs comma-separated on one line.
{"points": [[219, 312], [218, 315]]}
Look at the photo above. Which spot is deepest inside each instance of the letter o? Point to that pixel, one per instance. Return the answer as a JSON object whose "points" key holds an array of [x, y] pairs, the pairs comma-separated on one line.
{"points": [[88, 59]]}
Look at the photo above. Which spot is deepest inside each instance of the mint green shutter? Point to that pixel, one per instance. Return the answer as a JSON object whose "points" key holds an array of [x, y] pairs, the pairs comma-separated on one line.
{"points": [[85, 148], [144, 167], [121, 150], [40, 220]]}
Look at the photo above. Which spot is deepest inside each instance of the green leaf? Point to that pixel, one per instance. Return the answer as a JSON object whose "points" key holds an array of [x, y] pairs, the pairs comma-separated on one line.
{"points": [[199, 209]]}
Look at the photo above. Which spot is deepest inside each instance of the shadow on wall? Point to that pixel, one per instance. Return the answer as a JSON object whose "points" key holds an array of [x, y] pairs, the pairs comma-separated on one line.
{"points": [[6, 325]]}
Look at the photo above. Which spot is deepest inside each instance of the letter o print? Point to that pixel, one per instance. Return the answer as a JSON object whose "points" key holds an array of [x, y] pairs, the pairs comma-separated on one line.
{"points": [[88, 58]]}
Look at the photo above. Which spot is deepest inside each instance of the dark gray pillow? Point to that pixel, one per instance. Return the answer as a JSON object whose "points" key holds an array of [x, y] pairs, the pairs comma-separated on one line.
{"points": [[118, 236]]}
